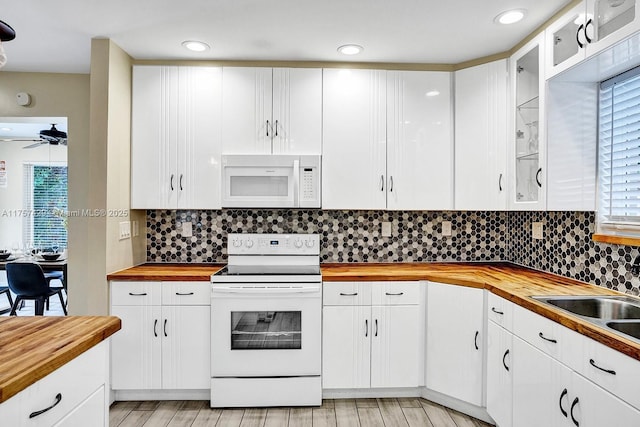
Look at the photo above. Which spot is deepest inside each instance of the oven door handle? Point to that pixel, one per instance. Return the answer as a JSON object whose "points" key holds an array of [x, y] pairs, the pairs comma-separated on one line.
{"points": [[269, 291]]}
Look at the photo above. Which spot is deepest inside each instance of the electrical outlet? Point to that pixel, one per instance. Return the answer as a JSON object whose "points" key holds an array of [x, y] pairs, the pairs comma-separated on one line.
{"points": [[125, 230], [386, 229], [446, 228], [187, 229], [537, 230]]}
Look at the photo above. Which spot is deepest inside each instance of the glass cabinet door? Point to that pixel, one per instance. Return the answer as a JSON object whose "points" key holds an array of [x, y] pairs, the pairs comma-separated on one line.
{"points": [[566, 40], [611, 16]]}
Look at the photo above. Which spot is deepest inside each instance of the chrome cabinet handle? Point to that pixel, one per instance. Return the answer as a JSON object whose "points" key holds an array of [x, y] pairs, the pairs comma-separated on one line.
{"points": [[366, 327], [394, 295], [267, 127], [496, 311], [171, 182], [608, 371], [381, 182], [563, 394], [504, 356], [547, 339], [573, 405], [184, 293], [391, 184], [137, 295], [475, 340], [165, 327], [180, 182], [57, 400], [342, 294], [376, 334], [155, 325], [500, 182]]}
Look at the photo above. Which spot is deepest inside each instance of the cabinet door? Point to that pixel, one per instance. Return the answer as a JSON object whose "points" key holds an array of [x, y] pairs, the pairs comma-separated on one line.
{"points": [[566, 41], [596, 407], [395, 346], [611, 22], [539, 385], [419, 141], [481, 98], [136, 349], [455, 337], [246, 112], [499, 374], [346, 347], [527, 173], [91, 412], [154, 134], [354, 139], [297, 111], [186, 347], [198, 144]]}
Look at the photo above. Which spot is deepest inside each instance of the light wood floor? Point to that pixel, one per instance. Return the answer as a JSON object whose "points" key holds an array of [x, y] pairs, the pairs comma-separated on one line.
{"points": [[408, 412]]}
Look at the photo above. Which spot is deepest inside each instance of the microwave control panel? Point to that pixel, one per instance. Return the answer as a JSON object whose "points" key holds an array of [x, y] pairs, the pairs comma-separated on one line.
{"points": [[308, 184]]}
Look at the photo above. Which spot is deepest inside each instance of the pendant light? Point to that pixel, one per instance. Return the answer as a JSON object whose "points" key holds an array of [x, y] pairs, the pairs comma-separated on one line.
{"points": [[6, 34]]}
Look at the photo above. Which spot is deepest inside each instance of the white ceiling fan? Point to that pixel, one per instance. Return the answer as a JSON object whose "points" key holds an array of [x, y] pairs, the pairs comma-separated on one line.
{"points": [[51, 136]]}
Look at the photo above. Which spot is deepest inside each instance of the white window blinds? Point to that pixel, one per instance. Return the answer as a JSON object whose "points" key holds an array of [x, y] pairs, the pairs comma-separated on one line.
{"points": [[619, 152]]}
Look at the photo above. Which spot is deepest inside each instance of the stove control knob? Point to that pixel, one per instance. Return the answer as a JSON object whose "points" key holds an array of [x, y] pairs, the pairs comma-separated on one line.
{"points": [[309, 243], [249, 243], [298, 243], [237, 243]]}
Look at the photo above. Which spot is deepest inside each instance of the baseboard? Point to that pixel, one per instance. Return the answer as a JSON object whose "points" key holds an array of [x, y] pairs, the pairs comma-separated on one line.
{"points": [[127, 395], [369, 393], [460, 406]]}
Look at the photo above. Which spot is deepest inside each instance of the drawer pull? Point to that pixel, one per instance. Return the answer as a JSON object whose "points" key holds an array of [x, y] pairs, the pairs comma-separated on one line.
{"points": [[608, 371], [563, 394], [504, 356], [496, 311], [475, 340], [394, 295], [573, 405], [547, 339], [155, 325], [366, 327], [184, 293], [376, 334], [42, 411], [133, 294], [165, 327], [348, 295]]}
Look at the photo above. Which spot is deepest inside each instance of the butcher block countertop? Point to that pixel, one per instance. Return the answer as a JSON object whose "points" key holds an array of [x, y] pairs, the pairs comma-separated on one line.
{"points": [[33, 347], [512, 282]]}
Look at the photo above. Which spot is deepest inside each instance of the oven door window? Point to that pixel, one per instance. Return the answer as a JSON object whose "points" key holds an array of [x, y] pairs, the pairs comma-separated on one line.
{"points": [[266, 330]]}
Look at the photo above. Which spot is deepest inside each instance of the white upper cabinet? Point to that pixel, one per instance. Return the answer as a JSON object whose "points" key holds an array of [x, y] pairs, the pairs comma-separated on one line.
{"points": [[269, 110], [419, 141], [354, 139], [528, 140], [387, 140], [481, 99], [588, 28], [175, 133]]}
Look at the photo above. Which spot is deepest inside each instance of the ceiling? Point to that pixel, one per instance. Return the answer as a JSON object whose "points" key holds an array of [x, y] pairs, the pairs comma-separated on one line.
{"points": [[55, 36], [28, 127]]}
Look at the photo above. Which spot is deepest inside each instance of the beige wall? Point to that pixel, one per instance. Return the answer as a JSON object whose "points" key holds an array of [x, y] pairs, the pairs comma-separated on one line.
{"points": [[109, 161]]}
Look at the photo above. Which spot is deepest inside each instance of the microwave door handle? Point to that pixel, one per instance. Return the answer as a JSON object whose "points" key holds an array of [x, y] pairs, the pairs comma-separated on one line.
{"points": [[296, 182]]}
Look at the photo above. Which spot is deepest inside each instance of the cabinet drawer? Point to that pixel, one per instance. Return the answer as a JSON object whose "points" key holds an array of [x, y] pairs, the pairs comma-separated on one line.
{"points": [[395, 293], [135, 293], [186, 293], [538, 331], [73, 383], [346, 293], [500, 311]]}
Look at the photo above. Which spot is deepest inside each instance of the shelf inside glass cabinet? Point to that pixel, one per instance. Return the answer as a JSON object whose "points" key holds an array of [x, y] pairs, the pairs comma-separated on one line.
{"points": [[529, 104], [527, 156]]}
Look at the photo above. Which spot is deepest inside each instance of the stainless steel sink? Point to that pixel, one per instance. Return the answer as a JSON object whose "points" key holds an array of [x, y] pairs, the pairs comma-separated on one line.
{"points": [[597, 307], [628, 328]]}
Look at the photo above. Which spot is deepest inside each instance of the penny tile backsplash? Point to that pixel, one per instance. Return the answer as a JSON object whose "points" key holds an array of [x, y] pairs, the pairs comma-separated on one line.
{"points": [[354, 236]]}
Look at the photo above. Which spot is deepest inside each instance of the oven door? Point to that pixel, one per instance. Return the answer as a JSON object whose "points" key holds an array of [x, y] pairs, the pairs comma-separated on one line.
{"points": [[260, 181], [265, 333]]}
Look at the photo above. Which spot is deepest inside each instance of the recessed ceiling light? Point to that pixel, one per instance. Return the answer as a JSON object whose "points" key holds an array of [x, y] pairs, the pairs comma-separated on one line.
{"points": [[350, 49], [195, 45], [510, 16], [432, 93]]}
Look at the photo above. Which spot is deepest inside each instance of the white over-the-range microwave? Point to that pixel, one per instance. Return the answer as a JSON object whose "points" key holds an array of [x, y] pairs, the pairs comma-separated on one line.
{"points": [[270, 181]]}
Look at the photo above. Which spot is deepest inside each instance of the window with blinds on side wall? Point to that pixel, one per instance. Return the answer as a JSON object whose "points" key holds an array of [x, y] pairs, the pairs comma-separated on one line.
{"points": [[619, 155]]}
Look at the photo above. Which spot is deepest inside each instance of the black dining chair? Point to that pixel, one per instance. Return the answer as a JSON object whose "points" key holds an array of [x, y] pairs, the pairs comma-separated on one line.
{"points": [[5, 290], [28, 282]]}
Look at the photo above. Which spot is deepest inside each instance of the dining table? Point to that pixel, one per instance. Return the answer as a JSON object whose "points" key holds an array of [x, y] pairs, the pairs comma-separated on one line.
{"points": [[59, 264]]}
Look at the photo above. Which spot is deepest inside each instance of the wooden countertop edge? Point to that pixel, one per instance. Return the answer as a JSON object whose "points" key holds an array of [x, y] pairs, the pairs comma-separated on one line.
{"points": [[55, 360]]}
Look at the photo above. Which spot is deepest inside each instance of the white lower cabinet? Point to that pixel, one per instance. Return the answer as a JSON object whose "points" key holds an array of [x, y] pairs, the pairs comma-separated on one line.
{"points": [[71, 396], [499, 374], [455, 341], [367, 345], [165, 338]]}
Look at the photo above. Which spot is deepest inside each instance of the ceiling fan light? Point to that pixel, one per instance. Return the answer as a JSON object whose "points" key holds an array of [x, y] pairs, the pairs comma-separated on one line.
{"points": [[53, 133]]}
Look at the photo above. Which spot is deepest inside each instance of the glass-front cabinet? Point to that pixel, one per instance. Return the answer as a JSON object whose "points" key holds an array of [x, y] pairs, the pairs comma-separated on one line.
{"points": [[587, 29], [527, 153]]}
